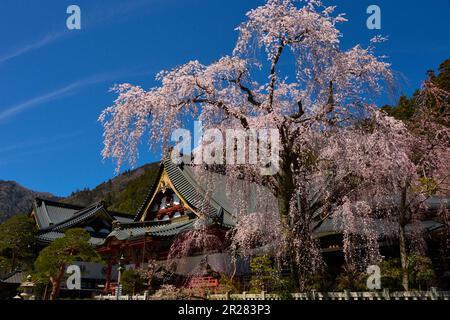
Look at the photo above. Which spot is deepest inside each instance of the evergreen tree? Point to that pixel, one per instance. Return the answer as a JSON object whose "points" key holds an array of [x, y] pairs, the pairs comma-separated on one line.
{"points": [[132, 282], [264, 275], [53, 260], [16, 243]]}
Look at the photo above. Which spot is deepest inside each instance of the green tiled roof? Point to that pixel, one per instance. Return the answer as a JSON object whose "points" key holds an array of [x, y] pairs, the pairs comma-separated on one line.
{"points": [[83, 215], [229, 196], [382, 227], [15, 277], [57, 216], [122, 218], [77, 216], [49, 213], [139, 229], [192, 191]]}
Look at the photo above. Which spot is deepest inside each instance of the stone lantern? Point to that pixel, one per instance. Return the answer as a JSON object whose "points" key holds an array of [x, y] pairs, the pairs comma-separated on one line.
{"points": [[119, 277], [27, 290]]}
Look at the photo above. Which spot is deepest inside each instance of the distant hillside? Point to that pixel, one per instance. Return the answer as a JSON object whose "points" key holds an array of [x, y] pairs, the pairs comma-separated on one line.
{"points": [[124, 193], [16, 199]]}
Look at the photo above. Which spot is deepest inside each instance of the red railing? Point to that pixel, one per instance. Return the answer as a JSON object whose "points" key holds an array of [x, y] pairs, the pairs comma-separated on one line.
{"points": [[202, 282]]}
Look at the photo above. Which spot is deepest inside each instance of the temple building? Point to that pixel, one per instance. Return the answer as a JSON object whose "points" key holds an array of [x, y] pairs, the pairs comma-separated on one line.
{"points": [[175, 202], [180, 197]]}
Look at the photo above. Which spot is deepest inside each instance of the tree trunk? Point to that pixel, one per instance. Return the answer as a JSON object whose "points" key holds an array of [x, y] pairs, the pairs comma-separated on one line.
{"points": [[13, 261], [403, 258], [45, 292], [286, 190], [284, 196], [294, 267], [402, 239], [56, 283]]}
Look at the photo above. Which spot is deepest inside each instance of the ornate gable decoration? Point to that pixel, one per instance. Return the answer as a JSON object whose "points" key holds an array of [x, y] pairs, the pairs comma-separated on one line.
{"points": [[166, 203]]}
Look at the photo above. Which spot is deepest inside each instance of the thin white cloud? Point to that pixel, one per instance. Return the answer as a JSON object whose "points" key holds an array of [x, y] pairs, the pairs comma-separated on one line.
{"points": [[21, 151], [47, 97], [23, 155], [31, 144], [65, 91], [101, 15], [18, 152], [29, 47]]}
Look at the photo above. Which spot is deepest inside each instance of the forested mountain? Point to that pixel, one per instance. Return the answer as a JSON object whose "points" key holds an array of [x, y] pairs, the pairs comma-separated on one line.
{"points": [[124, 193], [16, 199]]}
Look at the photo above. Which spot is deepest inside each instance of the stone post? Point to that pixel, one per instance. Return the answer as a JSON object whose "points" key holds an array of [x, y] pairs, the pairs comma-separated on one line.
{"points": [[346, 294], [386, 294], [435, 294]]}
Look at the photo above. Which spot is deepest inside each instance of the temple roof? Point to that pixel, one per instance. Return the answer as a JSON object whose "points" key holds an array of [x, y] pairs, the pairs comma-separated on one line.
{"points": [[83, 215], [57, 215], [382, 227], [216, 196], [66, 216], [53, 218], [137, 230], [15, 277], [48, 213]]}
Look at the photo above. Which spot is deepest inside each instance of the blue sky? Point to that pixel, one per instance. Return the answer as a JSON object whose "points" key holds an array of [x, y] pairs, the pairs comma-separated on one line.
{"points": [[54, 82]]}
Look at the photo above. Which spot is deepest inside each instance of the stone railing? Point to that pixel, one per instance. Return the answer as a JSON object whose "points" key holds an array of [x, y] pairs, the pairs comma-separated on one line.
{"points": [[433, 294], [144, 296]]}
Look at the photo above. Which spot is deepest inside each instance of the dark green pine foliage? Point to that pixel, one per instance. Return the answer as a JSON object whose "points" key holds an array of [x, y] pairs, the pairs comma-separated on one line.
{"points": [[406, 107], [404, 110], [132, 282], [16, 243], [443, 78], [52, 260]]}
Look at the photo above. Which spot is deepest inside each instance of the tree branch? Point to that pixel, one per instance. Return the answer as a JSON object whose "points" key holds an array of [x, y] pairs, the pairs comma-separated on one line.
{"points": [[221, 105], [250, 95], [224, 107], [272, 74]]}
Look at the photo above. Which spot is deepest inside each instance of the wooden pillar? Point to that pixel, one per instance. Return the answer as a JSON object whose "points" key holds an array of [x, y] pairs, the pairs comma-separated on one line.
{"points": [[108, 273], [136, 256], [144, 248]]}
